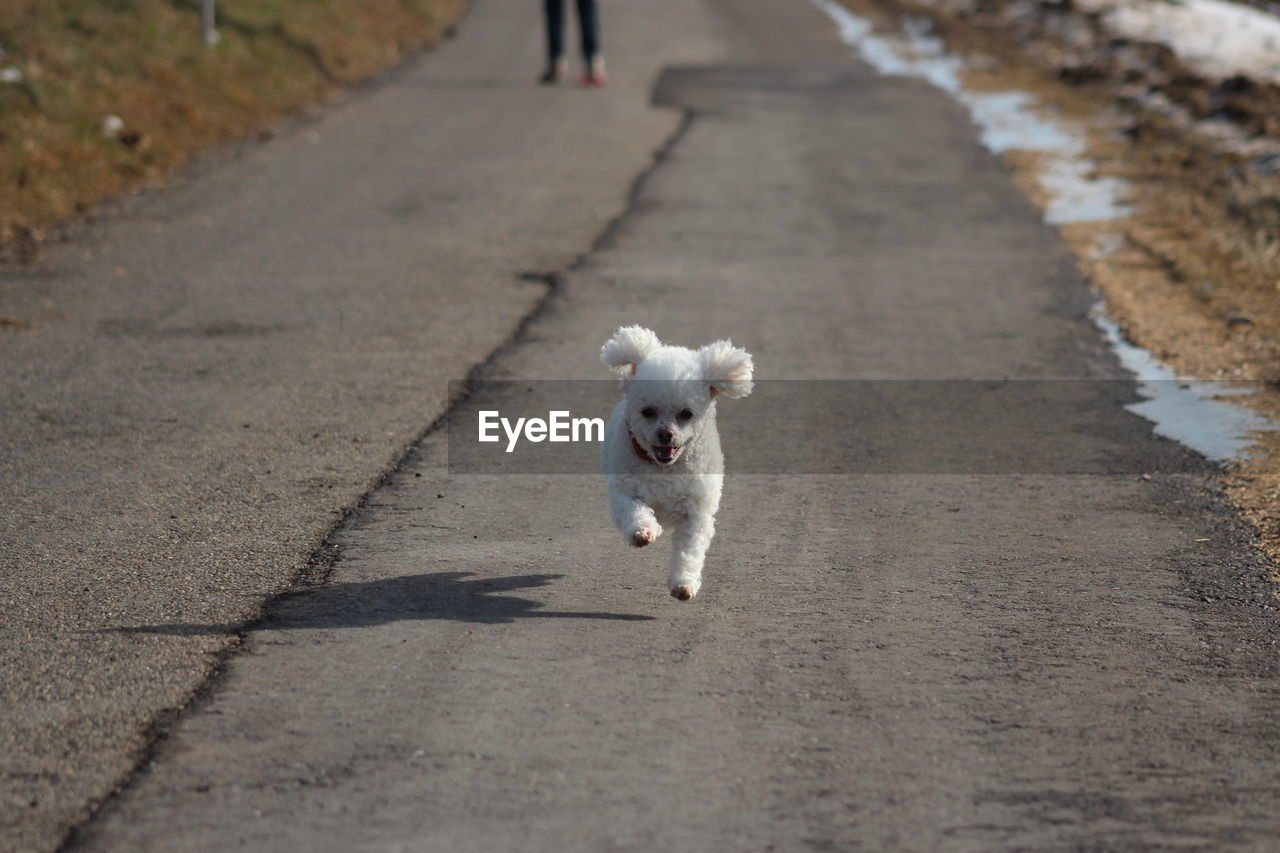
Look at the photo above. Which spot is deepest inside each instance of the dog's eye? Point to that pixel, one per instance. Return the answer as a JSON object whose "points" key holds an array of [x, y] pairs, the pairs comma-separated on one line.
{"points": [[649, 411], [685, 414]]}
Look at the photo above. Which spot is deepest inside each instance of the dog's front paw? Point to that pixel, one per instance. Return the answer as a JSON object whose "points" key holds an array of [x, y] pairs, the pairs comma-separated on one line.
{"points": [[684, 589], [646, 534]]}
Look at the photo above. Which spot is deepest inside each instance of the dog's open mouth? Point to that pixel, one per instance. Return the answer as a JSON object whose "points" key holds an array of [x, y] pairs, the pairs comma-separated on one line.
{"points": [[666, 455]]}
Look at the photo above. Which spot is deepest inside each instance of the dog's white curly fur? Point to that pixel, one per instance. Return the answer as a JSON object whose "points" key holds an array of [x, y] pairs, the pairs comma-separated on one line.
{"points": [[629, 346], [661, 456]]}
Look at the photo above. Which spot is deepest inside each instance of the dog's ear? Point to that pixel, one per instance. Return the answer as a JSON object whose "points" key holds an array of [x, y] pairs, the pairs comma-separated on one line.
{"points": [[726, 368], [629, 346]]}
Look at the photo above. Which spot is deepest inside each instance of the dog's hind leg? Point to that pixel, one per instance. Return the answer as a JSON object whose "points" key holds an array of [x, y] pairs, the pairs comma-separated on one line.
{"points": [[689, 545], [635, 519]]}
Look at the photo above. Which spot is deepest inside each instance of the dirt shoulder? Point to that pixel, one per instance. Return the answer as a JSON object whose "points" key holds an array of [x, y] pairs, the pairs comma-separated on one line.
{"points": [[99, 98], [1192, 275]]}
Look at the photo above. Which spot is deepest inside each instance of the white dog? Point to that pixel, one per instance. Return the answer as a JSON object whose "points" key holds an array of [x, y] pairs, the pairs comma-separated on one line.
{"points": [[661, 454]]}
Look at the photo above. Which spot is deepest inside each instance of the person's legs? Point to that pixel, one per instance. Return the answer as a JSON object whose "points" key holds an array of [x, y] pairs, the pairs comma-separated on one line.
{"points": [[553, 14], [589, 24]]}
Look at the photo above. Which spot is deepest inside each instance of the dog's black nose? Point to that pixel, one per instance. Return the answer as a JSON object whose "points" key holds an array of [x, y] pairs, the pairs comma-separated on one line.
{"points": [[665, 436]]}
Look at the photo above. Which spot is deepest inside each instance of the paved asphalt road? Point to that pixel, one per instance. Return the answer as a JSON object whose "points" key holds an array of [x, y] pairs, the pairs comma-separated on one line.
{"points": [[918, 660]]}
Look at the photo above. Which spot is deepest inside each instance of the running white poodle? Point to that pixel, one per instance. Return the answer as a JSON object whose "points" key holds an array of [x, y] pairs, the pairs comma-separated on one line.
{"points": [[661, 454]]}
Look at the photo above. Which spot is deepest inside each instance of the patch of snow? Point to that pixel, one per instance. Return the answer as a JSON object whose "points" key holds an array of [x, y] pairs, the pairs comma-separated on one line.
{"points": [[1217, 38], [12, 74], [1189, 411]]}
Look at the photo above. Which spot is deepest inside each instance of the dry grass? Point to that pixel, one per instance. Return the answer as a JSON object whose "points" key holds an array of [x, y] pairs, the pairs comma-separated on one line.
{"points": [[142, 61]]}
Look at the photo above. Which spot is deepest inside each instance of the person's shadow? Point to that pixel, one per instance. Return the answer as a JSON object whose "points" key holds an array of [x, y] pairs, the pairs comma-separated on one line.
{"points": [[439, 595]]}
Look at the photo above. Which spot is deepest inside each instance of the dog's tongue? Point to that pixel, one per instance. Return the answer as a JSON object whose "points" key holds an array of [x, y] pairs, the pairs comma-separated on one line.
{"points": [[665, 454]]}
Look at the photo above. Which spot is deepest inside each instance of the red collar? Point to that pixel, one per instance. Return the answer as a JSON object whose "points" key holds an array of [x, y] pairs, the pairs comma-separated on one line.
{"points": [[640, 451]]}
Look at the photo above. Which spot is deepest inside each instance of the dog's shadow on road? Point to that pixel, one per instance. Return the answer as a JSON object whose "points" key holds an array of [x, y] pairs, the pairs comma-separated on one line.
{"points": [[455, 596]]}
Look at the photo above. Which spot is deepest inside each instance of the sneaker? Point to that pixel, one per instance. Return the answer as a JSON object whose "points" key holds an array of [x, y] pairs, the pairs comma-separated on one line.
{"points": [[555, 73], [594, 76]]}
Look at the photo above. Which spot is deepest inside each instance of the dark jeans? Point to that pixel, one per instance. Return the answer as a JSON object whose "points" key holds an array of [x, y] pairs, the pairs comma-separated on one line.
{"points": [[588, 23]]}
